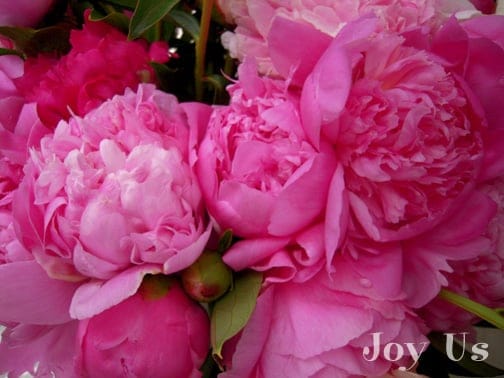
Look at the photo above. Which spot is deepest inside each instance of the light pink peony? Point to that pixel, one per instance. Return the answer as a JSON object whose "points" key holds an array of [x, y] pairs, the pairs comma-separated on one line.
{"points": [[115, 190], [23, 13], [259, 175], [254, 19], [312, 329], [145, 336], [101, 64]]}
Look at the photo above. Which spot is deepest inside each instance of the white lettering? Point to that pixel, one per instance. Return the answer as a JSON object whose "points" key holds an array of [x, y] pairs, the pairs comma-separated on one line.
{"points": [[376, 348], [480, 352]]}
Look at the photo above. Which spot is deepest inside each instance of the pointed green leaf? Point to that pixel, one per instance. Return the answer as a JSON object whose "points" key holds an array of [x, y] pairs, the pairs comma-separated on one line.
{"points": [[124, 3], [32, 42], [232, 312], [225, 241], [20, 36], [147, 13], [186, 21], [479, 368], [116, 19]]}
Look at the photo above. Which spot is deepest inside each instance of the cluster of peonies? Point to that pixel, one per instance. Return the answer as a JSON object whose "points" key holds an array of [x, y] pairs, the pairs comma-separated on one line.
{"points": [[360, 171]]}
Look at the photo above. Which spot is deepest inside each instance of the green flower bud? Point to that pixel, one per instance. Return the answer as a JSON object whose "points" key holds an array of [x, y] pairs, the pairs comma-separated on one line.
{"points": [[208, 278]]}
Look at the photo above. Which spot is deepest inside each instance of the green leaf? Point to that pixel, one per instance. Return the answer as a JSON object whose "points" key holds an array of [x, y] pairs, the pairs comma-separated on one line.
{"points": [[232, 312], [4, 51], [32, 42], [124, 3], [20, 36], [225, 241], [116, 19], [187, 21], [147, 13], [479, 368]]}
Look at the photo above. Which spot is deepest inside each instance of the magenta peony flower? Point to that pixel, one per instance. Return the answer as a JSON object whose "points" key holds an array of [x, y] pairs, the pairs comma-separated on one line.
{"points": [[101, 63], [164, 335], [23, 13], [259, 175], [115, 190], [255, 18], [311, 329]]}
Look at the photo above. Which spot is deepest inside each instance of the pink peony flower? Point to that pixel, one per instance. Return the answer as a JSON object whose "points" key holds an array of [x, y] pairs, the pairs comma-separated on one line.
{"points": [[311, 329], [163, 335], [23, 13], [255, 18], [259, 175], [101, 63], [480, 278], [115, 190], [406, 132]]}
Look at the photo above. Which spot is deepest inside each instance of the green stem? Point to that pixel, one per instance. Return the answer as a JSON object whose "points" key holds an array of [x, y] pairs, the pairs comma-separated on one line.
{"points": [[485, 313], [201, 44]]}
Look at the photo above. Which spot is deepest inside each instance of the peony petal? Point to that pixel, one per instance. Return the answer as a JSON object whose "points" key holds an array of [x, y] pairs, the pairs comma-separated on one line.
{"points": [[470, 220], [92, 266], [112, 156], [28, 295], [305, 304], [96, 296], [493, 160], [304, 199], [279, 267], [325, 91], [252, 85], [337, 212], [248, 252], [49, 348], [197, 115], [292, 59], [185, 257], [102, 227], [375, 274], [244, 210]]}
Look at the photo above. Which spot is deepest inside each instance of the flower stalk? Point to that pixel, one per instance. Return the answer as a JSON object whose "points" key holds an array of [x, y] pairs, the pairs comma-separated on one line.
{"points": [[491, 316], [201, 44]]}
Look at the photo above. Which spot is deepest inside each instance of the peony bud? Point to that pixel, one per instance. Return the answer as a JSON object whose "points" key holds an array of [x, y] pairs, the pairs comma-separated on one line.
{"points": [[208, 278], [160, 316]]}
